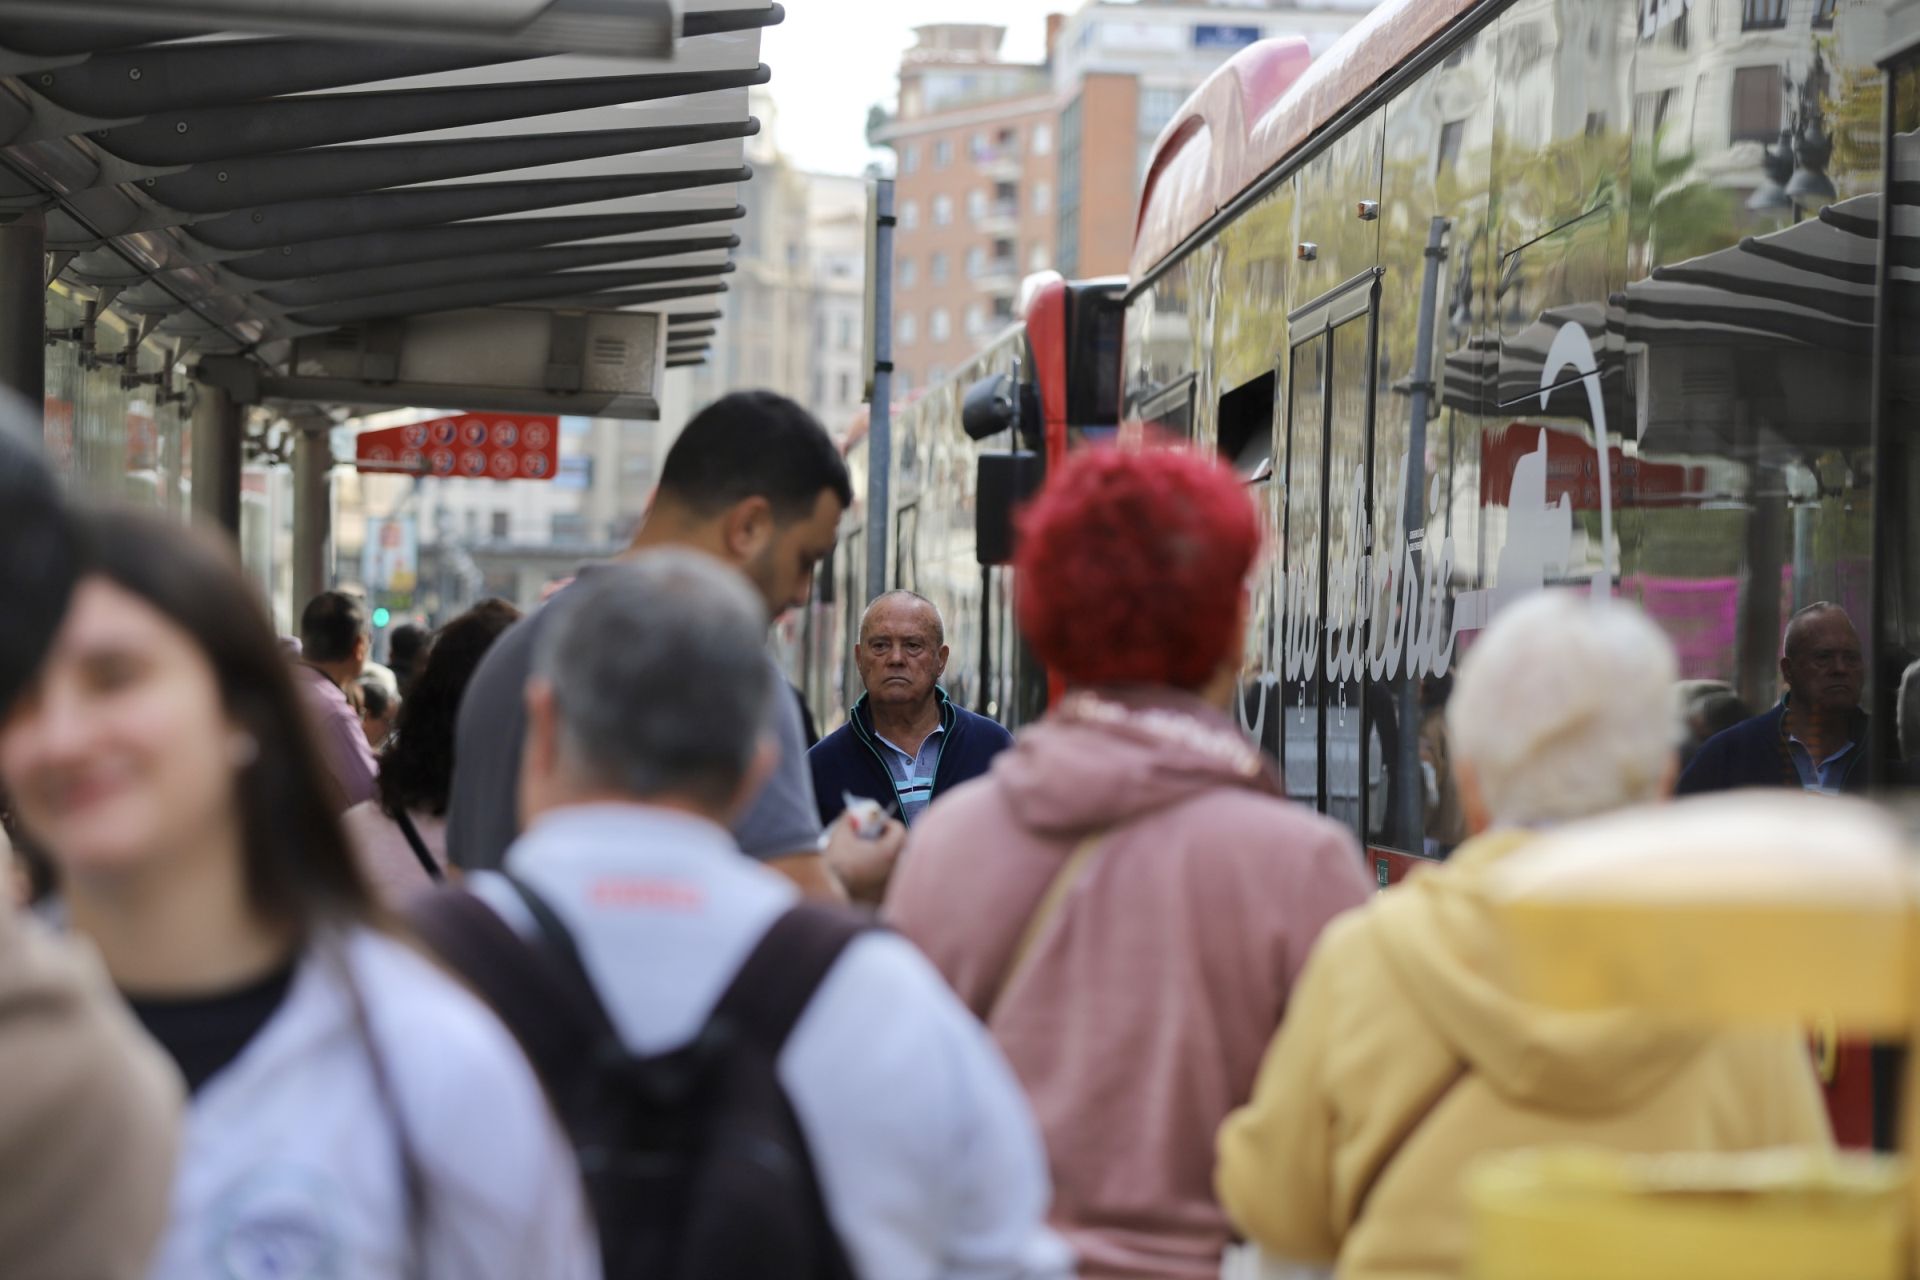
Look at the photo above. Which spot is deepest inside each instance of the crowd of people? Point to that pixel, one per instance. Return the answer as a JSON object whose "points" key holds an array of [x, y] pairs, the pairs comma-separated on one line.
{"points": [[565, 956]]}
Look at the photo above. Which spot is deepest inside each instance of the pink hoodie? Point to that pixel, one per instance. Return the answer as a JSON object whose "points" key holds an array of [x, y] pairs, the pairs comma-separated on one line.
{"points": [[1141, 1015]]}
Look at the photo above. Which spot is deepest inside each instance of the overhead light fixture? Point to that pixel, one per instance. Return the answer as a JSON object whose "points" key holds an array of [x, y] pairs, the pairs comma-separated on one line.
{"points": [[611, 28]]}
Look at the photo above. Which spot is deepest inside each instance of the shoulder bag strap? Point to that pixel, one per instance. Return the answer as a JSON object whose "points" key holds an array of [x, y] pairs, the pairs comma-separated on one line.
{"points": [[1063, 881], [428, 863], [771, 990]]}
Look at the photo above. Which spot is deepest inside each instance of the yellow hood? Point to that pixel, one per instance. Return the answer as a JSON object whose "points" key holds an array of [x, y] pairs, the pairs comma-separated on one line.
{"points": [[1441, 946]]}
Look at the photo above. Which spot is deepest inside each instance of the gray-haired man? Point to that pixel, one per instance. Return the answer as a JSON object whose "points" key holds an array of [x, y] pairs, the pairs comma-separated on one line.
{"points": [[926, 1153]]}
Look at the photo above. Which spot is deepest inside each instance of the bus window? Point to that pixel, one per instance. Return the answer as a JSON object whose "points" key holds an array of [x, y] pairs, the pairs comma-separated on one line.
{"points": [[1246, 428]]}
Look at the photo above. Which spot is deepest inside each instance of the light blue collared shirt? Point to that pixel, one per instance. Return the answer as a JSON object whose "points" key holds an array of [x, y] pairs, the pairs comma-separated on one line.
{"points": [[1827, 775], [913, 772]]}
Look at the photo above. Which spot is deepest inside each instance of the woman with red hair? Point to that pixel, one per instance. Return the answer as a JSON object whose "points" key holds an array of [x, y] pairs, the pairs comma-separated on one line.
{"points": [[1126, 898]]}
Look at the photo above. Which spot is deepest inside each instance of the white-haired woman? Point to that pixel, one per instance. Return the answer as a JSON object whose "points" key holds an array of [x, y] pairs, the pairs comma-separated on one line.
{"points": [[1404, 1055]]}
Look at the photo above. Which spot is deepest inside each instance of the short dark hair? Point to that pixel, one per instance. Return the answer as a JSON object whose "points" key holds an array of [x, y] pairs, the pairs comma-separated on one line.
{"points": [[416, 769], [754, 444], [330, 625], [375, 701], [406, 644]]}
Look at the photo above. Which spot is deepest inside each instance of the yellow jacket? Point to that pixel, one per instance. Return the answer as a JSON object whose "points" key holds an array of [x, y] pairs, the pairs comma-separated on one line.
{"points": [[1403, 1056]]}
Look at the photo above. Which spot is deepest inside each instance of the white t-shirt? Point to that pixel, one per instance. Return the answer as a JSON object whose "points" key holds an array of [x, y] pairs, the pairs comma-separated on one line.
{"points": [[927, 1153], [291, 1168]]}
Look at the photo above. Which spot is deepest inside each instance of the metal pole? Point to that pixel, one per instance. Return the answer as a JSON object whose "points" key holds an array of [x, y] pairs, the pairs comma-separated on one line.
{"points": [[1412, 787], [217, 427], [880, 414], [312, 508], [23, 309]]}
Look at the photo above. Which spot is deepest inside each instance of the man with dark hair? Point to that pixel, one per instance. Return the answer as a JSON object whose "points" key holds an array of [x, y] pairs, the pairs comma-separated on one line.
{"points": [[407, 646], [755, 482], [335, 639], [905, 743], [1816, 737]]}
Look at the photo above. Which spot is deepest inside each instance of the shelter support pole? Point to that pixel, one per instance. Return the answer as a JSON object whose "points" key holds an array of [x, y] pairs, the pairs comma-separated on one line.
{"points": [[219, 422], [312, 507], [23, 309]]}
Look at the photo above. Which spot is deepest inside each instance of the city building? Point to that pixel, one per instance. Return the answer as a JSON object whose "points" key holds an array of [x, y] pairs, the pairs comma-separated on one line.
{"points": [[1007, 168]]}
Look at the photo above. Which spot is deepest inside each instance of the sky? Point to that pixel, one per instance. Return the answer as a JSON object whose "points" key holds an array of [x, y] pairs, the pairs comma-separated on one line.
{"points": [[833, 59]]}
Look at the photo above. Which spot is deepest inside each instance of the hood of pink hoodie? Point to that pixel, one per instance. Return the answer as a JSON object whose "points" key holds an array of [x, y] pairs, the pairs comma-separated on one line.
{"points": [[1103, 759]]}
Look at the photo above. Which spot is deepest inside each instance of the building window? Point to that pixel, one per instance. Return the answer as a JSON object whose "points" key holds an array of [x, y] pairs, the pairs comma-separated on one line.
{"points": [[843, 337], [844, 384], [976, 204], [939, 325], [1762, 15], [1037, 258], [1067, 250], [942, 211], [1756, 104], [1042, 197], [568, 526], [942, 153], [1823, 11], [502, 525], [976, 262], [907, 273], [1007, 143], [1157, 106], [1042, 139], [976, 320], [937, 268], [910, 159], [936, 373], [909, 215], [979, 147], [903, 330]]}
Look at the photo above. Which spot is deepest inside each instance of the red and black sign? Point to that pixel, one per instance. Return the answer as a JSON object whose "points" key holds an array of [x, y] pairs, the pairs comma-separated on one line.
{"points": [[477, 446]]}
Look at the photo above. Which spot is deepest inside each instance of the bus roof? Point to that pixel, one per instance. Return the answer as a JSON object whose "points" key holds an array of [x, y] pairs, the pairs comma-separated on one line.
{"points": [[1257, 109]]}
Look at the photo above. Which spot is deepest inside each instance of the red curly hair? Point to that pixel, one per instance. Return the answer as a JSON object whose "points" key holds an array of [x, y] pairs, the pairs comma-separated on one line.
{"points": [[1131, 567]]}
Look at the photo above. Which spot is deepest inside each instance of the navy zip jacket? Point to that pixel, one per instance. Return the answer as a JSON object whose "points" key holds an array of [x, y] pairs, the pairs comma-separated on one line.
{"points": [[1754, 754], [849, 759]]}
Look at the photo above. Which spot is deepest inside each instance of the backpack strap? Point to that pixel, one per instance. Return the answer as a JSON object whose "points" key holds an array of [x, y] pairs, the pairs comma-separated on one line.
{"points": [[771, 990], [557, 1023]]}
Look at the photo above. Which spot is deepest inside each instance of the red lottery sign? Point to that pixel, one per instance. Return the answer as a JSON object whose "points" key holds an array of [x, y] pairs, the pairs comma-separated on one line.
{"points": [[500, 446]]}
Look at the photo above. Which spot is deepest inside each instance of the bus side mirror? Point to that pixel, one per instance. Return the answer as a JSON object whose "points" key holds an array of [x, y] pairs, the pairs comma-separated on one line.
{"points": [[990, 407], [1005, 483]]}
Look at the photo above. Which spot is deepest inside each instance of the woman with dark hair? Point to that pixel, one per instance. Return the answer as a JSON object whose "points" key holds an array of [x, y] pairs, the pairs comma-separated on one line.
{"points": [[401, 834], [163, 760], [1126, 897]]}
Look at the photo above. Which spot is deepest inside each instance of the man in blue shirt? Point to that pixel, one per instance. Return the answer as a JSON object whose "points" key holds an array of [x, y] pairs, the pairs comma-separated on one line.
{"points": [[1816, 738], [904, 742]]}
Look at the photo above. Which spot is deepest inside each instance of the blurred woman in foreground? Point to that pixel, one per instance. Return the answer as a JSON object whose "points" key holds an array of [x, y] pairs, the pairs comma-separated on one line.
{"points": [[1126, 898], [163, 760]]}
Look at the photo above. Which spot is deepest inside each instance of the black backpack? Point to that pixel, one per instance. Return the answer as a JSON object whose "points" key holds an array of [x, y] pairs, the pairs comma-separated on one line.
{"points": [[693, 1161]]}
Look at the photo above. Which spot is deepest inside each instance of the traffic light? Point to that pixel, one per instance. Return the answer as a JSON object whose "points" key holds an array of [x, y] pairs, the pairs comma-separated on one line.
{"points": [[381, 617]]}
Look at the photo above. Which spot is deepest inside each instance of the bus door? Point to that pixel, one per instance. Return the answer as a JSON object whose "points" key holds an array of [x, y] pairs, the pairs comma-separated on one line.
{"points": [[1328, 752]]}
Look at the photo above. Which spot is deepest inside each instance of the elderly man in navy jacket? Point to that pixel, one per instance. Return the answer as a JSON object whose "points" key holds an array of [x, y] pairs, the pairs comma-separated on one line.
{"points": [[1816, 737], [905, 742]]}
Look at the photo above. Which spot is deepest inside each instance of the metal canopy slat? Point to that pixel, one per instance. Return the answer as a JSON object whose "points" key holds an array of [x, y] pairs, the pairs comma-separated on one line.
{"points": [[398, 248], [484, 293], [285, 124], [223, 186], [284, 224]]}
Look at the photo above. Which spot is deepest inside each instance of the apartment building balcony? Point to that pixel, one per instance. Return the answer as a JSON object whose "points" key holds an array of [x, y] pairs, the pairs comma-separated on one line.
{"points": [[999, 274], [1001, 164], [1000, 217]]}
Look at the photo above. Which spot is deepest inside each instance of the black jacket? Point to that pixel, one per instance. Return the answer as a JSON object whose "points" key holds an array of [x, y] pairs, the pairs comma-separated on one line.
{"points": [[1754, 754], [849, 760]]}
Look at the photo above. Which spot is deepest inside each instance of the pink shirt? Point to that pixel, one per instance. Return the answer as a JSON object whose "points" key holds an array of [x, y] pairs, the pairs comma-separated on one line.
{"points": [[343, 742]]}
